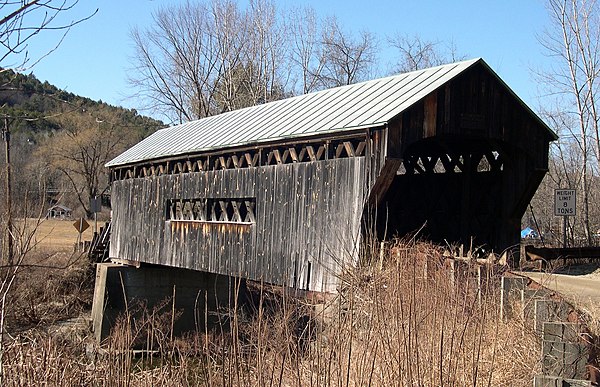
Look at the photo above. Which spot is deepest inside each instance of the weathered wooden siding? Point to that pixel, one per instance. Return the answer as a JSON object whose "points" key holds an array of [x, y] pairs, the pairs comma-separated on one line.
{"points": [[307, 222], [472, 116], [311, 193], [474, 105]]}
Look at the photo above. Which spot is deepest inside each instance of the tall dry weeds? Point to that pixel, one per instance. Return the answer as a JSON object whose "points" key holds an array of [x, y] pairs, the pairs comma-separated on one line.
{"points": [[405, 322], [401, 321]]}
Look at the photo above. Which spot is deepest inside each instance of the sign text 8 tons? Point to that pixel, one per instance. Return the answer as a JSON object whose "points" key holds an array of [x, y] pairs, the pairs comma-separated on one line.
{"points": [[564, 202]]}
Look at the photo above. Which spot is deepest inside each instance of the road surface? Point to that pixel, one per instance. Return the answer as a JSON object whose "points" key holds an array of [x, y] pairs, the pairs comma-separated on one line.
{"points": [[581, 285]]}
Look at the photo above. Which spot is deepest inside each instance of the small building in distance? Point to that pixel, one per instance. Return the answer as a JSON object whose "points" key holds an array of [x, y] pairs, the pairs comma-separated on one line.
{"points": [[59, 211]]}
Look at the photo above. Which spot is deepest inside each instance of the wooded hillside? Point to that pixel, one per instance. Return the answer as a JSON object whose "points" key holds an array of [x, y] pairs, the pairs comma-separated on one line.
{"points": [[59, 141]]}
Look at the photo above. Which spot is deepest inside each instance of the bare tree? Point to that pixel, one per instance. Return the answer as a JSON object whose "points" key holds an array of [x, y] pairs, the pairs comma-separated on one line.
{"points": [[230, 32], [266, 54], [565, 162], [23, 20], [415, 53], [306, 51], [348, 59], [176, 62], [80, 150], [573, 40], [21, 23], [205, 58], [200, 59]]}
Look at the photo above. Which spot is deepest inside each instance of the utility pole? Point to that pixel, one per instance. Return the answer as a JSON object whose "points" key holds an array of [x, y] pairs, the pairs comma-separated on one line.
{"points": [[8, 187]]}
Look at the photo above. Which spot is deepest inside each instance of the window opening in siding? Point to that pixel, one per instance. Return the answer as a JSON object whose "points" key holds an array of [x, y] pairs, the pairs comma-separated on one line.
{"points": [[324, 149], [217, 210], [437, 163]]}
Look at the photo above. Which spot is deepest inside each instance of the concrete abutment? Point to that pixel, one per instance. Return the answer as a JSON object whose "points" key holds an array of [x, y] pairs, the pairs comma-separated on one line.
{"points": [[194, 296]]}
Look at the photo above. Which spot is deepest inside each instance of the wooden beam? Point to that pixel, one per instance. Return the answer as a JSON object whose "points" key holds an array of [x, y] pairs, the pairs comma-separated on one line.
{"points": [[311, 153], [293, 154], [384, 180], [360, 149], [277, 156], [321, 152], [338, 150], [349, 148], [430, 115], [236, 161], [346, 145]]}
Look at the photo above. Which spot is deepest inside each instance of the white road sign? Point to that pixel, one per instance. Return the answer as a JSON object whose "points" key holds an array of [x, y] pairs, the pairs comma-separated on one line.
{"points": [[564, 202]]}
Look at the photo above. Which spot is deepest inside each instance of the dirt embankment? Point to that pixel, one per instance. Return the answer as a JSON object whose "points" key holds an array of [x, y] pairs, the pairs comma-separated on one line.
{"points": [[580, 284]]}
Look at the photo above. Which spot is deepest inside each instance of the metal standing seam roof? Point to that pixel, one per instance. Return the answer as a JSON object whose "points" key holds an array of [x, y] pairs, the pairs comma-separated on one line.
{"points": [[361, 105]]}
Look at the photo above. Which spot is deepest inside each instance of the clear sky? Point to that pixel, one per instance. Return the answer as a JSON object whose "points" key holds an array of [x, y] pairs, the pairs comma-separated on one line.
{"points": [[95, 56]]}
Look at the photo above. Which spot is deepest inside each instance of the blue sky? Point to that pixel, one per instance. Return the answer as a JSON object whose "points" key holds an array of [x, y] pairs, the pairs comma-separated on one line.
{"points": [[94, 58]]}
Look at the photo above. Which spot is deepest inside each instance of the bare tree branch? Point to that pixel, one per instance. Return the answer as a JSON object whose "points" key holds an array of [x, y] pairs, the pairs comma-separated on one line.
{"points": [[415, 53], [572, 40], [26, 19], [347, 59]]}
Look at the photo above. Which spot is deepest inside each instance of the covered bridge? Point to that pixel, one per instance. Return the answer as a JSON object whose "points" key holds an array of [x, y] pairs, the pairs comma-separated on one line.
{"points": [[284, 192]]}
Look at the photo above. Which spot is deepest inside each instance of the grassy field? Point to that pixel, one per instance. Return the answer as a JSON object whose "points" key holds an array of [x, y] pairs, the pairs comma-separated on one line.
{"points": [[57, 235]]}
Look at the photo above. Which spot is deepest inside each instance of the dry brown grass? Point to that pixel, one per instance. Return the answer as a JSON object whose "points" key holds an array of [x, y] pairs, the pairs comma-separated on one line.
{"points": [[400, 323], [50, 287], [56, 235]]}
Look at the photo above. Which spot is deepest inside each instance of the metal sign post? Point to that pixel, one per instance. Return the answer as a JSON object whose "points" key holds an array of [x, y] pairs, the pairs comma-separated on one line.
{"points": [[95, 207], [565, 205], [81, 225]]}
